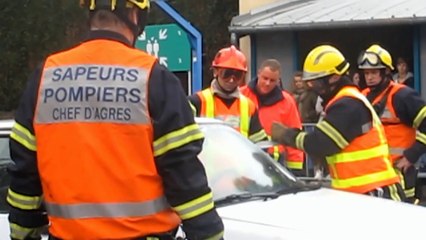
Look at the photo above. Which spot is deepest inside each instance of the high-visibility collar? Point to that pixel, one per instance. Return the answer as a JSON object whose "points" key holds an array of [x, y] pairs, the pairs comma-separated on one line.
{"points": [[244, 110]]}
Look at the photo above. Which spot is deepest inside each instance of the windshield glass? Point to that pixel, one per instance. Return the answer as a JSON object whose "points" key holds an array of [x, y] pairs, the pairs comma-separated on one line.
{"points": [[4, 177], [235, 165]]}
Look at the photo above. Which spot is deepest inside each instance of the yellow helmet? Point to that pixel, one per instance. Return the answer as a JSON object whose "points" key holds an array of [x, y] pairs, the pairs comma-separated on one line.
{"points": [[322, 61], [113, 4], [375, 57], [119, 8]]}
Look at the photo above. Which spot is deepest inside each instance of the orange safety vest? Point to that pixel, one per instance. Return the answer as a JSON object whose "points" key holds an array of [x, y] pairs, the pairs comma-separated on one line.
{"points": [[364, 164], [399, 135], [94, 145], [279, 112], [238, 115]]}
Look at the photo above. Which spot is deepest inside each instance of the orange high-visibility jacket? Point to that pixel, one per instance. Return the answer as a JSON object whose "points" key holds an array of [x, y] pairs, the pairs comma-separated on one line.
{"points": [[238, 115], [399, 135], [364, 164], [284, 111], [115, 190]]}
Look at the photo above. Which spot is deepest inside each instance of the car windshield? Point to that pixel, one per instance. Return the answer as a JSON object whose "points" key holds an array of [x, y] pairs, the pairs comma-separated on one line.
{"points": [[234, 165], [4, 177]]}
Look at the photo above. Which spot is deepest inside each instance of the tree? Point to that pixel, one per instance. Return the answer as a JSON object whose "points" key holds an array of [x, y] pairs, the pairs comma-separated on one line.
{"points": [[29, 31], [211, 18]]}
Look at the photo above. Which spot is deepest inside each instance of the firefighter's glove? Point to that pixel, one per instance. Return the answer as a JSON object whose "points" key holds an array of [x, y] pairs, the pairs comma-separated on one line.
{"points": [[283, 134]]}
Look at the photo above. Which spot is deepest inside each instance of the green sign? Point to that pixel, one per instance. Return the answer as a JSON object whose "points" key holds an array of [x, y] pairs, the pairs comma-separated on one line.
{"points": [[169, 43]]}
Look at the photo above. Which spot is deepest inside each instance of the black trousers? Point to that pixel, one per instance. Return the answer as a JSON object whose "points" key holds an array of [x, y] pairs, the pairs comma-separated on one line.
{"points": [[408, 182], [393, 192]]}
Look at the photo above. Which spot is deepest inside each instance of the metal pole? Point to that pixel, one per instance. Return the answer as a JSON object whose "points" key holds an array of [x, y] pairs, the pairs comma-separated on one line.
{"points": [[195, 40]]}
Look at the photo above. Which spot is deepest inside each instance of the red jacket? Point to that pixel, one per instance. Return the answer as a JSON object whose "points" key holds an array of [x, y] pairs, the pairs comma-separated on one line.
{"points": [[277, 106]]}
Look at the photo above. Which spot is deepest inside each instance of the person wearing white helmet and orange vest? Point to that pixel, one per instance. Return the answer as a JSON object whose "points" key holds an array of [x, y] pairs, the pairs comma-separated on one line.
{"points": [[350, 137], [223, 99], [402, 112], [105, 144]]}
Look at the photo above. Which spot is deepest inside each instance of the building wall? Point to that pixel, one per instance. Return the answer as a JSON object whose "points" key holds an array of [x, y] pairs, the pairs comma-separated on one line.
{"points": [[281, 46], [245, 7]]}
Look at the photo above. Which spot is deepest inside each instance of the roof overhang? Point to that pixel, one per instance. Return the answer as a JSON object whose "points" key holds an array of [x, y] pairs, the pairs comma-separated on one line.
{"points": [[291, 15]]}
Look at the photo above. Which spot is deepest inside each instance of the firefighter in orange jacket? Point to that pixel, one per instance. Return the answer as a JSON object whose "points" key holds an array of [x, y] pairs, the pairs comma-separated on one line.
{"points": [[275, 104], [223, 100], [350, 137], [402, 112], [105, 142]]}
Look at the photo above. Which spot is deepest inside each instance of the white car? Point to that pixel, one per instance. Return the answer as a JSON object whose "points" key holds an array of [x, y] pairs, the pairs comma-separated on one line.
{"points": [[259, 199], [5, 127]]}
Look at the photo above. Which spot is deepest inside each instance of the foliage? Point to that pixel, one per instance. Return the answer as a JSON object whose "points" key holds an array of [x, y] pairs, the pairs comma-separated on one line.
{"points": [[32, 29], [211, 18], [29, 31]]}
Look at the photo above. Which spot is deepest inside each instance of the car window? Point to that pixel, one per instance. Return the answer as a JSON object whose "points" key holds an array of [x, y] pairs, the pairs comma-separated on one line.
{"points": [[4, 177], [235, 165]]}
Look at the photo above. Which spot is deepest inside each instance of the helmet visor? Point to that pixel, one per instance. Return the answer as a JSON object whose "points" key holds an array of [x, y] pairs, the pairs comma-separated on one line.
{"points": [[370, 58]]}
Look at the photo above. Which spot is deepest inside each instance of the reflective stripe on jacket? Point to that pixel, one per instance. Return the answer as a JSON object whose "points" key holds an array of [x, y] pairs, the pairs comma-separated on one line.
{"points": [[363, 165], [238, 115], [115, 190], [284, 111], [399, 135]]}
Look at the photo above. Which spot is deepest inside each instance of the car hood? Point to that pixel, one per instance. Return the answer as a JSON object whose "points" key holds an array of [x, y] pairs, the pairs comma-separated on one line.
{"points": [[322, 214]]}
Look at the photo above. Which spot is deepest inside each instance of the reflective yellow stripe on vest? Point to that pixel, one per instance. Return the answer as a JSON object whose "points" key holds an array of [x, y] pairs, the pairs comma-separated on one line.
{"points": [[276, 153], [244, 116], [244, 110], [363, 180], [107, 210], [208, 96], [358, 155]]}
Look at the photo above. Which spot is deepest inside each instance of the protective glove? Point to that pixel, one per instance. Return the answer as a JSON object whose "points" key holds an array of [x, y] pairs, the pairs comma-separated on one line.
{"points": [[283, 134], [277, 132]]}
